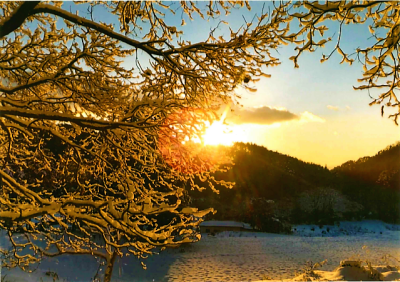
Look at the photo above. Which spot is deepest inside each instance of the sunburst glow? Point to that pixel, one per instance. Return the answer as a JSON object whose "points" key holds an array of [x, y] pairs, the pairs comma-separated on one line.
{"points": [[219, 133]]}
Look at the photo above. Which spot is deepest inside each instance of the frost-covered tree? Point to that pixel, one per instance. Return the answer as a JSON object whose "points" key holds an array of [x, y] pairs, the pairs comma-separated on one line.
{"points": [[94, 156], [90, 147]]}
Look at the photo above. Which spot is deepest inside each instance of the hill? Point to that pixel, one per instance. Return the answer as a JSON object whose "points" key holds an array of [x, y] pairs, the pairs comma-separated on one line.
{"points": [[374, 182], [382, 168], [280, 187]]}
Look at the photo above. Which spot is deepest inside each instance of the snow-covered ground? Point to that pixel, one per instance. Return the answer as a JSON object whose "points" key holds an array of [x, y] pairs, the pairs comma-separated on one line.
{"points": [[242, 256]]}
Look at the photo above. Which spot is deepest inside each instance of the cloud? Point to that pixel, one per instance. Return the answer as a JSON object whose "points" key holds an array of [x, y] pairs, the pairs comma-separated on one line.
{"points": [[333, 108], [310, 117], [262, 115]]}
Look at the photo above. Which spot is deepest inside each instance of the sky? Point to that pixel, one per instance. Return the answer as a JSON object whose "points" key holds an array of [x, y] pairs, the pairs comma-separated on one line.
{"points": [[312, 112]]}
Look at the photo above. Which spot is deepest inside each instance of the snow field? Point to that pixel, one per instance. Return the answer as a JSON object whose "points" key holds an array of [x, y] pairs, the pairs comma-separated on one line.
{"points": [[238, 256], [275, 257]]}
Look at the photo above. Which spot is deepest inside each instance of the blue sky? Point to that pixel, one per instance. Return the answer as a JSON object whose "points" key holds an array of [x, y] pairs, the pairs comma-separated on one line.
{"points": [[334, 123]]}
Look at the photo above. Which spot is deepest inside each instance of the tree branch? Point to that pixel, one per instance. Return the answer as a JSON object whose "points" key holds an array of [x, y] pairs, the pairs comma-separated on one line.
{"points": [[44, 8], [85, 122], [15, 20]]}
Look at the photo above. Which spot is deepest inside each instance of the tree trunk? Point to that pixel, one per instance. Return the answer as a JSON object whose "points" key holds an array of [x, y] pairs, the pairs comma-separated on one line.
{"points": [[110, 267]]}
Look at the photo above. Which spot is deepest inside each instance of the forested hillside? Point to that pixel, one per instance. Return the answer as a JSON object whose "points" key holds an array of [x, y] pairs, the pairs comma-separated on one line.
{"points": [[271, 186], [374, 182], [382, 168]]}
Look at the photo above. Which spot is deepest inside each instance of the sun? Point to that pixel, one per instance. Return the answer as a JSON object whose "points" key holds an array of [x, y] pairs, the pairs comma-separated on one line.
{"points": [[218, 134]]}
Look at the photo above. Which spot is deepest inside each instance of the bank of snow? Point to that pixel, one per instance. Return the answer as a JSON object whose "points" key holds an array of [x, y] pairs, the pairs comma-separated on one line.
{"points": [[352, 271]]}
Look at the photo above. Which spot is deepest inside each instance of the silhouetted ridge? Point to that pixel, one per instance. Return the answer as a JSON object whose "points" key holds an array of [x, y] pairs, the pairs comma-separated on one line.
{"points": [[303, 191], [382, 169]]}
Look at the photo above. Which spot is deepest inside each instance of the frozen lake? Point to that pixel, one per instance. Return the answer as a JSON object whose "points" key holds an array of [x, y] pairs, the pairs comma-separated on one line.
{"points": [[236, 256]]}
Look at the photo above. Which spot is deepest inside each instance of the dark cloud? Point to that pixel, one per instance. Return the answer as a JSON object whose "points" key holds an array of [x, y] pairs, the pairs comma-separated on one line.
{"points": [[261, 115]]}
